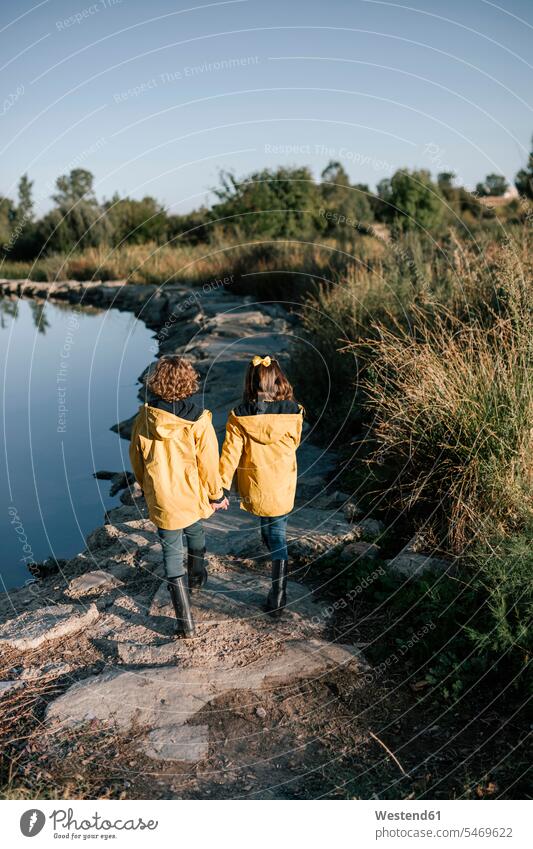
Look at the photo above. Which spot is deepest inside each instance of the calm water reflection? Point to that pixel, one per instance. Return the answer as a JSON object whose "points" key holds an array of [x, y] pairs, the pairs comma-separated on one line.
{"points": [[68, 374]]}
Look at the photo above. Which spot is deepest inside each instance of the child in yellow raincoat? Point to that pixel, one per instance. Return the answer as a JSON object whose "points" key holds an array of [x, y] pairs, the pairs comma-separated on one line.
{"points": [[262, 435], [174, 456]]}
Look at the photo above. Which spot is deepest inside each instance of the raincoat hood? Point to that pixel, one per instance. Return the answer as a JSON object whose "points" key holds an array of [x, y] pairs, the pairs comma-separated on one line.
{"points": [[269, 428], [160, 424]]}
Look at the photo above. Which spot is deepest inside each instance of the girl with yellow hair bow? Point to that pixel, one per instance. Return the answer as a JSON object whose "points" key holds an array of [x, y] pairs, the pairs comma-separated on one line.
{"points": [[262, 435]]}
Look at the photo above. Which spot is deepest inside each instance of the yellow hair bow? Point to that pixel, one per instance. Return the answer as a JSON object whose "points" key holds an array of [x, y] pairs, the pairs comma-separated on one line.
{"points": [[261, 361]]}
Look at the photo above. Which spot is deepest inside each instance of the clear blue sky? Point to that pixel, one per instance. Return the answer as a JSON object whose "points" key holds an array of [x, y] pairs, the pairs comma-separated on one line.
{"points": [[156, 97]]}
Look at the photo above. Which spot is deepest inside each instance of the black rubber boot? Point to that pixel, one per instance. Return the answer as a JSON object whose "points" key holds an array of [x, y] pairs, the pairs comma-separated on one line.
{"points": [[277, 597], [197, 569], [179, 593]]}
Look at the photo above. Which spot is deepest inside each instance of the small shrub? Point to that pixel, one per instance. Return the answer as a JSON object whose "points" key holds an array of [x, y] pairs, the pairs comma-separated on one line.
{"points": [[452, 406], [504, 567]]}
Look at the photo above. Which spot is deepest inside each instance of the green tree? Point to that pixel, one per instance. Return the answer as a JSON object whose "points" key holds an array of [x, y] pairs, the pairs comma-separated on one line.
{"points": [[275, 204], [445, 180], [452, 195], [25, 199], [494, 185], [77, 221], [7, 218], [136, 221], [74, 187], [24, 240], [524, 178], [339, 196], [410, 200]]}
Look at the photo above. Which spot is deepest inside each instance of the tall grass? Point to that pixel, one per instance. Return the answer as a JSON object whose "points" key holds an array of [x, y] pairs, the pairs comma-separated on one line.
{"points": [[379, 286], [437, 384], [431, 386], [452, 408], [264, 268], [147, 263]]}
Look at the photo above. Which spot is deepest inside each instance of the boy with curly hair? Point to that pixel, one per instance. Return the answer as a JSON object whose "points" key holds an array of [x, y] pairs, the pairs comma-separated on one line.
{"points": [[174, 456]]}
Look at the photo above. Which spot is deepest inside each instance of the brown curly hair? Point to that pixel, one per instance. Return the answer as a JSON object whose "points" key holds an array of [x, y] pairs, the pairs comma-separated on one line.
{"points": [[173, 378]]}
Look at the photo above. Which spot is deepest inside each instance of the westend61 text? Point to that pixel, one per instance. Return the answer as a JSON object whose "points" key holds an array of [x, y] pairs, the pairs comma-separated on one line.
{"points": [[407, 815]]}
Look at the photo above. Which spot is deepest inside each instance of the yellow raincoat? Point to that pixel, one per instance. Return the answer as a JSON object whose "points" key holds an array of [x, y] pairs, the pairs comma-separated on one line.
{"points": [[262, 448], [175, 461]]}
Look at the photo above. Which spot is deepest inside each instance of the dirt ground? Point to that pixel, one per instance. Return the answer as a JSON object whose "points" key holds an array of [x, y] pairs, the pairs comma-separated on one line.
{"points": [[331, 738]]}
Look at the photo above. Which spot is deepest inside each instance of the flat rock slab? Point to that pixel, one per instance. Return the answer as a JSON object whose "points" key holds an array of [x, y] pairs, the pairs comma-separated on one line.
{"points": [[32, 629], [232, 628], [92, 583], [408, 564], [358, 550], [188, 743], [236, 532], [169, 697], [136, 654], [131, 534], [314, 460], [237, 596], [8, 686], [49, 670]]}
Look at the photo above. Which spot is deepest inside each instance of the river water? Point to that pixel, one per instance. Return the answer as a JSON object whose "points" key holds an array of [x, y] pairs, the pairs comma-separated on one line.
{"points": [[68, 374]]}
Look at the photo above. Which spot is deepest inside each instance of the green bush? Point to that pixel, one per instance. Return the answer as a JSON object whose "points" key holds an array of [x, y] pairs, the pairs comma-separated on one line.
{"points": [[455, 629], [503, 571], [379, 285], [452, 405], [411, 200], [443, 384], [279, 204]]}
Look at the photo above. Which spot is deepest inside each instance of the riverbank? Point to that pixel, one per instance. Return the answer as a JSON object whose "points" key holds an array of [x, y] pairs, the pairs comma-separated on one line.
{"points": [[102, 624], [152, 304], [100, 700]]}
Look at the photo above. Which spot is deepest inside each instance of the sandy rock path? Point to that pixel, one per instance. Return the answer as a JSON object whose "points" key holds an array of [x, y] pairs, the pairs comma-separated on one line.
{"points": [[145, 676]]}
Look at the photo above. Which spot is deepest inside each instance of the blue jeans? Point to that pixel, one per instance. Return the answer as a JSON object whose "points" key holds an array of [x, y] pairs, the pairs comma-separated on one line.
{"points": [[172, 544], [274, 534]]}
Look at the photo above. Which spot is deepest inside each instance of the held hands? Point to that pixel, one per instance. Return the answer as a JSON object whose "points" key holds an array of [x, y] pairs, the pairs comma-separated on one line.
{"points": [[220, 505]]}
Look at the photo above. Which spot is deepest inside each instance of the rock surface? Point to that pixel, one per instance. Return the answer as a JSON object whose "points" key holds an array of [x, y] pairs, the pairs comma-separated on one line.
{"points": [[8, 687], [357, 550], [91, 583], [31, 629], [187, 743], [409, 564], [159, 683], [164, 700], [412, 562]]}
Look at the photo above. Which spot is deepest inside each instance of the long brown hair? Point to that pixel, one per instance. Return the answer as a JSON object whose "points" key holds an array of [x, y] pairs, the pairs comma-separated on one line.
{"points": [[266, 383]]}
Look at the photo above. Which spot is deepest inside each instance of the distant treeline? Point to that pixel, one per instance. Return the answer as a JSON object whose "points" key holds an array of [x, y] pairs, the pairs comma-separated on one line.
{"points": [[281, 203]]}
